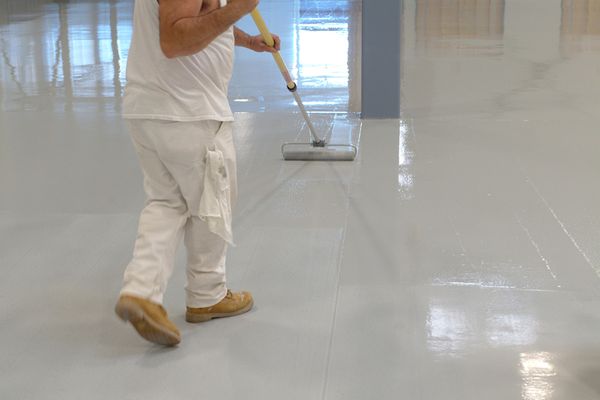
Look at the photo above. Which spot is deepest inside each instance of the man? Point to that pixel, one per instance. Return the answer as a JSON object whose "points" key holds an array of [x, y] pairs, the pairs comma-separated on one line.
{"points": [[178, 71]]}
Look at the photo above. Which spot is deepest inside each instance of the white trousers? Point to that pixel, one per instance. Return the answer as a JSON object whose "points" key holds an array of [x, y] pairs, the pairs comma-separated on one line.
{"points": [[172, 156]]}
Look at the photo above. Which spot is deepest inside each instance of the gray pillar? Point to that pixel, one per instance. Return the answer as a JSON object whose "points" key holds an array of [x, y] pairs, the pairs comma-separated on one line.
{"points": [[381, 22]]}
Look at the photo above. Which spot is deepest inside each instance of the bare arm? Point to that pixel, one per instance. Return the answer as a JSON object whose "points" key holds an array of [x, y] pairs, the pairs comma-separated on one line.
{"points": [[241, 37], [184, 30]]}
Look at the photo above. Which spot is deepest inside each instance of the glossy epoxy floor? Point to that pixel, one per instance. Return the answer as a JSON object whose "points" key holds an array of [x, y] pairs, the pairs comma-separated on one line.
{"points": [[457, 258]]}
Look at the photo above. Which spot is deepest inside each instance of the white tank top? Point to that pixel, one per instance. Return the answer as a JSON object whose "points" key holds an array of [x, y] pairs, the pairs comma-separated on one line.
{"points": [[189, 88]]}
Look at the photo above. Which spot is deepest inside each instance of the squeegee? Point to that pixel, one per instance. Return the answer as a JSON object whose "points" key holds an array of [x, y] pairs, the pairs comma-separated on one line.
{"points": [[318, 149]]}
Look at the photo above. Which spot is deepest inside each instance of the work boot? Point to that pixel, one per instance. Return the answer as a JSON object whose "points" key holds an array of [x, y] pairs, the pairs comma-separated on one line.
{"points": [[149, 320], [233, 304]]}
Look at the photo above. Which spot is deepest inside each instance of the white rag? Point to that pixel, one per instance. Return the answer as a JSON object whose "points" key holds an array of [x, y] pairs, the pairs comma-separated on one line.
{"points": [[215, 203]]}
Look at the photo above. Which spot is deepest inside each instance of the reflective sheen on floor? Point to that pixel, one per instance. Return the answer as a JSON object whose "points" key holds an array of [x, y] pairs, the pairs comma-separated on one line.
{"points": [[457, 258]]}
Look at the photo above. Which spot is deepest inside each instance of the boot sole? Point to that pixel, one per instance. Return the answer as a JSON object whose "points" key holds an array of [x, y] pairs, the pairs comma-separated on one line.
{"points": [[149, 329], [194, 318]]}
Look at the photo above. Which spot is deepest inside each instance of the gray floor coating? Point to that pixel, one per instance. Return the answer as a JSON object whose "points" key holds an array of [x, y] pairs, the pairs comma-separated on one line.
{"points": [[457, 258]]}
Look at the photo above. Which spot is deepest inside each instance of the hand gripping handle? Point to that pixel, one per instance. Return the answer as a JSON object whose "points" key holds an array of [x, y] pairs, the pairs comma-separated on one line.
{"points": [[268, 38]]}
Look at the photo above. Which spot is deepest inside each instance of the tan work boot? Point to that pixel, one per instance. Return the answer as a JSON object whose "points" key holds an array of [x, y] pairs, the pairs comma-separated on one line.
{"points": [[233, 304], [149, 320]]}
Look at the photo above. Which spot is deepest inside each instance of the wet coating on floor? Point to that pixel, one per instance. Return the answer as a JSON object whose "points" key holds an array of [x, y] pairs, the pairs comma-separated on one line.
{"points": [[457, 258]]}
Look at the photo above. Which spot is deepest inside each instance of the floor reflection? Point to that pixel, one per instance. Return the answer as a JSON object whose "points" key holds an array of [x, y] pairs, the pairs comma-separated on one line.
{"points": [[449, 330], [406, 155], [64, 55], [580, 26], [440, 23], [538, 373], [325, 36], [580, 17]]}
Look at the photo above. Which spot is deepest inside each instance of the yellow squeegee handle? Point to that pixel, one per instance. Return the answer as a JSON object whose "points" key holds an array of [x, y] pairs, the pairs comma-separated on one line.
{"points": [[268, 38]]}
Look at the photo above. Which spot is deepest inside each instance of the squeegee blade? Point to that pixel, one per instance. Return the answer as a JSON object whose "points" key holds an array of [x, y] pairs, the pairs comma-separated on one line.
{"points": [[308, 152]]}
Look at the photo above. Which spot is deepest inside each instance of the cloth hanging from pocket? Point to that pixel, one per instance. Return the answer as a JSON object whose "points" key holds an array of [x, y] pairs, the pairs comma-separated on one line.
{"points": [[215, 202]]}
